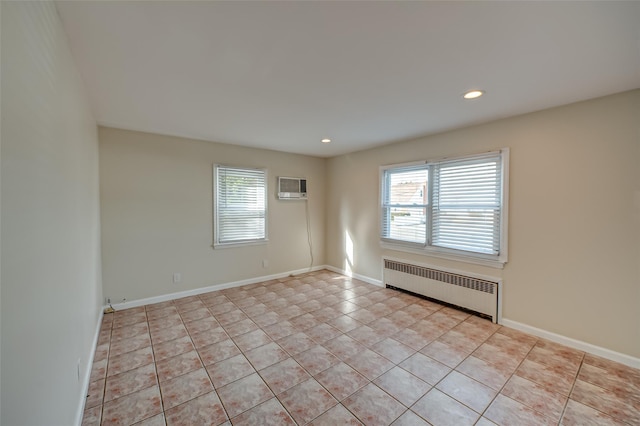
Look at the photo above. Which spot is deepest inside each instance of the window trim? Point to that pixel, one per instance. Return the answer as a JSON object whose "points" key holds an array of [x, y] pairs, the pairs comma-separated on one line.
{"points": [[493, 261], [238, 243], [383, 194]]}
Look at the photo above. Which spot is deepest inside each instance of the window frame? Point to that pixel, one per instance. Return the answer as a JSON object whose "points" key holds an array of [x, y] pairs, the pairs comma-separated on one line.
{"points": [[494, 261], [406, 167], [216, 209]]}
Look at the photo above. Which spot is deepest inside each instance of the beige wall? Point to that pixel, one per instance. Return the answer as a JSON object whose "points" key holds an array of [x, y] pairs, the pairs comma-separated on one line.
{"points": [[574, 233], [156, 197], [51, 289]]}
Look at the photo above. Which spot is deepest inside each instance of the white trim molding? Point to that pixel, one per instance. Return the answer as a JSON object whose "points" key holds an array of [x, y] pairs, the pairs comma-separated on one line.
{"points": [[575, 344], [567, 341], [427, 247], [557, 338], [87, 374], [364, 278], [215, 287], [441, 253]]}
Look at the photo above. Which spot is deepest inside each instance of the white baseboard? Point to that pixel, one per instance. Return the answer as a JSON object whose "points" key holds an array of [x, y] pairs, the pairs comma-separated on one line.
{"points": [[194, 292], [563, 340], [87, 373], [354, 275], [575, 344], [567, 341]]}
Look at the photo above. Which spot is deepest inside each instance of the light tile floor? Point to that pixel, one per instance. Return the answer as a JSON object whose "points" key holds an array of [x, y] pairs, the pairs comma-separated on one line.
{"points": [[326, 349]]}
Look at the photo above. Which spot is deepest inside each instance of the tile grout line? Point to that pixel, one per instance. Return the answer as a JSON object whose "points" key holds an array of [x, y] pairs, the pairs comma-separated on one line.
{"points": [[371, 381], [507, 381], [323, 294], [195, 348], [155, 368], [459, 372], [258, 372], [253, 366], [573, 385]]}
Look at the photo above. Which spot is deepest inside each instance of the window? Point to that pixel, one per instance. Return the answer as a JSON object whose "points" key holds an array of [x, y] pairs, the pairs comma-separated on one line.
{"points": [[240, 205], [405, 204], [453, 207]]}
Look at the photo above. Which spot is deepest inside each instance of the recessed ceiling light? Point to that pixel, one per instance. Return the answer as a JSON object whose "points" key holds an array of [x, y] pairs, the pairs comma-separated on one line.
{"points": [[326, 140], [473, 94]]}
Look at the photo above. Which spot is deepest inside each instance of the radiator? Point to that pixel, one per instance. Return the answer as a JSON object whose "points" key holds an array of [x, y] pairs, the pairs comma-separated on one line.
{"points": [[475, 294]]}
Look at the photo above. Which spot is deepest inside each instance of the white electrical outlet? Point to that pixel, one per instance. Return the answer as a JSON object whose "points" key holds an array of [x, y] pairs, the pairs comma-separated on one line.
{"points": [[265, 263], [177, 277]]}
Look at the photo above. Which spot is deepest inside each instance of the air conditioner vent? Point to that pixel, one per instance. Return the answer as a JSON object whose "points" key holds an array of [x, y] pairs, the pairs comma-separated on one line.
{"points": [[292, 188]]}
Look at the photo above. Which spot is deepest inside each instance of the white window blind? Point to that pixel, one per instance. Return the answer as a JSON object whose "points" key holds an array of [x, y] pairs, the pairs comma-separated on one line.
{"points": [[451, 208], [405, 204], [467, 203], [240, 207]]}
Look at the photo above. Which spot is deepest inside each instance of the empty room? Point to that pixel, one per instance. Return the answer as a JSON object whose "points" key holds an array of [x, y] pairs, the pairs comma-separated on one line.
{"points": [[319, 212]]}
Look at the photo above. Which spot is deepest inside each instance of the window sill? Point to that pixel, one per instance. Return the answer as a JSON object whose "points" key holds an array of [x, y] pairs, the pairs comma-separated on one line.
{"points": [[488, 261], [236, 245]]}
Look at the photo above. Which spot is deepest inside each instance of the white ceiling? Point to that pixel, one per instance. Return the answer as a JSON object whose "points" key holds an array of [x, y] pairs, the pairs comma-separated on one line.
{"points": [[284, 75]]}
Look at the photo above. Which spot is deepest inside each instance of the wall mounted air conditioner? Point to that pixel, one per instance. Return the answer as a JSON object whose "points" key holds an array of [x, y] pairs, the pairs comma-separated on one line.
{"points": [[292, 188]]}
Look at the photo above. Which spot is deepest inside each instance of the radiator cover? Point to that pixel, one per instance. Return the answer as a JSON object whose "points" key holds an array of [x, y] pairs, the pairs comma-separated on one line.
{"points": [[473, 293]]}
